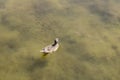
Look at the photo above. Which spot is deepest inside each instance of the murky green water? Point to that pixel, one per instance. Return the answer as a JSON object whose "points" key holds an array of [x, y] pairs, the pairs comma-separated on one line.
{"points": [[89, 33]]}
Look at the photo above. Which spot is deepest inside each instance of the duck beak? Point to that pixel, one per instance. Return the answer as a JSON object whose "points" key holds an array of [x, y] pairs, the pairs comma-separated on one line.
{"points": [[57, 39]]}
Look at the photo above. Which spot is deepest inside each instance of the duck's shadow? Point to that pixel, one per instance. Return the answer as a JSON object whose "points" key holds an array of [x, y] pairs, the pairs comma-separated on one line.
{"points": [[37, 64]]}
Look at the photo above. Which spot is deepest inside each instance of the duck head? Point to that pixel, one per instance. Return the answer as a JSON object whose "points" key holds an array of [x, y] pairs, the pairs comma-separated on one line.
{"points": [[55, 41]]}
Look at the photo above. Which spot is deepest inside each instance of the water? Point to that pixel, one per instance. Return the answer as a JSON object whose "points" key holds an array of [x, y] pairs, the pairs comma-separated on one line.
{"points": [[89, 46]]}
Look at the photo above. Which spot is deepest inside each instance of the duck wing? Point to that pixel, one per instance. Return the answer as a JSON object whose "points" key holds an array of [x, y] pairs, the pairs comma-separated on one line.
{"points": [[47, 49]]}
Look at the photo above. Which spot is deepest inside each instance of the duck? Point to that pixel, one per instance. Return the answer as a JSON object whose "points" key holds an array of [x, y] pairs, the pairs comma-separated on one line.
{"points": [[51, 48]]}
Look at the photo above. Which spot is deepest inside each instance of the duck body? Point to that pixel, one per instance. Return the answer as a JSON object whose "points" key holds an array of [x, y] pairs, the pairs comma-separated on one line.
{"points": [[51, 48]]}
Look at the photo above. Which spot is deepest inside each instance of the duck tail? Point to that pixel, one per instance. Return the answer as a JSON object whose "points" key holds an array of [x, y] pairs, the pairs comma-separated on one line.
{"points": [[41, 51]]}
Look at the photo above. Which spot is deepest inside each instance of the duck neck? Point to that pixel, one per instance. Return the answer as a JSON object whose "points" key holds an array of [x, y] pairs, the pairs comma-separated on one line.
{"points": [[55, 42]]}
